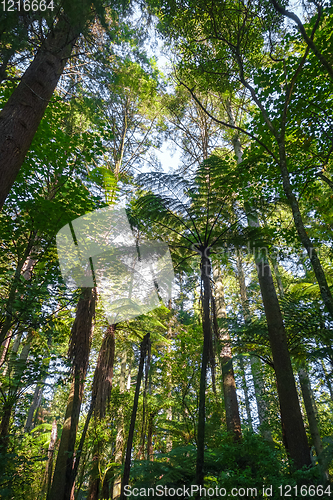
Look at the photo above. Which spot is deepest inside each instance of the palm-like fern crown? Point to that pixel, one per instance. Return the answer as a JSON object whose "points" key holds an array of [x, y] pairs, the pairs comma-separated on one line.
{"points": [[191, 215]]}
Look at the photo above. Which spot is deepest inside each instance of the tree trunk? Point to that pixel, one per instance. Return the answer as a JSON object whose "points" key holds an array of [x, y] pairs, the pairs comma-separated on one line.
{"points": [[49, 464], [120, 430], [60, 485], [79, 352], [103, 376], [34, 405], [259, 390], [169, 381], [127, 465], [37, 398], [311, 413], [101, 392], [12, 355], [327, 379], [296, 439], [259, 386], [150, 448], [291, 416], [207, 339], [95, 480], [4, 348], [8, 321], [246, 394], [18, 368], [229, 385], [305, 240], [25, 108], [141, 452], [4, 426]]}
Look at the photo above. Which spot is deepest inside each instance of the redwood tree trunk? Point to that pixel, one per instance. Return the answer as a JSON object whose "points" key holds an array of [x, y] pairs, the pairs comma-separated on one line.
{"points": [[259, 386], [25, 108], [296, 440], [118, 457], [229, 385], [79, 351], [292, 422], [101, 392]]}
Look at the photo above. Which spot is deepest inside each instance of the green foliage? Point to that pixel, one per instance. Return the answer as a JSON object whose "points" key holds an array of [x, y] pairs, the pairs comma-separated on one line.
{"points": [[113, 111], [251, 463]]}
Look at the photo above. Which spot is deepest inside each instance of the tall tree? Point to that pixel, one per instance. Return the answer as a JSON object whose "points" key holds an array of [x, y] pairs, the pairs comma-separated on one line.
{"points": [[198, 219], [229, 384], [101, 391], [127, 463], [79, 352], [22, 113], [232, 55]]}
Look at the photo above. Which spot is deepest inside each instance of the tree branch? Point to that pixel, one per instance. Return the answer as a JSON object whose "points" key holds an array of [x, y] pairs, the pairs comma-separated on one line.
{"points": [[225, 124], [304, 34]]}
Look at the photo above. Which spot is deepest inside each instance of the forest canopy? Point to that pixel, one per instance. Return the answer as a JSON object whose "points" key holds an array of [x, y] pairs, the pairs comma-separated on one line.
{"points": [[166, 256]]}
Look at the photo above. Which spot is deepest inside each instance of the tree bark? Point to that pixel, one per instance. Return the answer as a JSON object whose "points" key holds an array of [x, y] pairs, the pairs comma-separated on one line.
{"points": [[49, 464], [305, 240], [259, 386], [169, 380], [25, 108], [101, 392], [295, 436], [4, 426], [229, 385], [8, 322], [327, 379], [150, 448], [103, 376], [310, 409], [259, 390], [79, 351], [127, 465], [246, 394], [18, 367], [145, 417], [118, 458], [37, 397], [4, 348], [12, 354]]}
